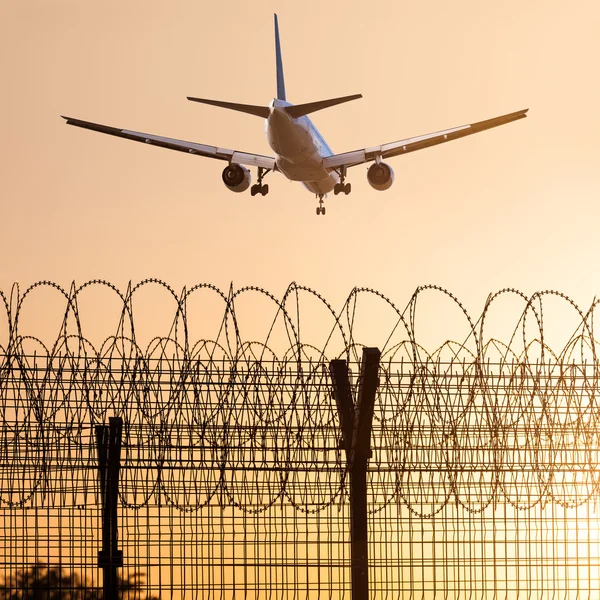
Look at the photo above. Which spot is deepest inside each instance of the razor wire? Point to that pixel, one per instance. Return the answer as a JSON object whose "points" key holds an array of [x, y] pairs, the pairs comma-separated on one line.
{"points": [[219, 419]]}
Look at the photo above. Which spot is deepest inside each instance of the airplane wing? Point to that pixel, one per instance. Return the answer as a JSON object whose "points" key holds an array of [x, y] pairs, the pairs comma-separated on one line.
{"points": [[232, 156], [357, 157]]}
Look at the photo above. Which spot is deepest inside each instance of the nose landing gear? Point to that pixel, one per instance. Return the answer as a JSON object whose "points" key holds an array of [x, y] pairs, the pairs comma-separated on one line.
{"points": [[258, 187], [320, 208]]}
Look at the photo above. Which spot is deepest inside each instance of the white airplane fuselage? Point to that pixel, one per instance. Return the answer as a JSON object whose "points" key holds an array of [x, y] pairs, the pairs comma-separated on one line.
{"points": [[299, 149]]}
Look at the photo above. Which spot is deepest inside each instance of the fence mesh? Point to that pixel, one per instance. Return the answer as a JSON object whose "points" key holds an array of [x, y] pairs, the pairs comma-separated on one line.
{"points": [[482, 483]]}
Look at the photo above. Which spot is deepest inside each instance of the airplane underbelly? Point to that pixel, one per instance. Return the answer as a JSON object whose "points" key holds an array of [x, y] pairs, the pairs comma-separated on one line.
{"points": [[310, 169], [292, 142], [321, 187], [299, 152]]}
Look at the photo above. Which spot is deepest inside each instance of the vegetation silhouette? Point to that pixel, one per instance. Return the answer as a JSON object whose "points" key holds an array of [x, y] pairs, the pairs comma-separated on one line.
{"points": [[51, 582]]}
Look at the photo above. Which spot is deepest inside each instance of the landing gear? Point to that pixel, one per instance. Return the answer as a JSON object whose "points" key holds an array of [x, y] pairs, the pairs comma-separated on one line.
{"points": [[259, 187], [341, 187], [320, 208]]}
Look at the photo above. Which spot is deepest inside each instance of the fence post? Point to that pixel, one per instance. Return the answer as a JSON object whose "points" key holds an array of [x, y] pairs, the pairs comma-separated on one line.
{"points": [[108, 443], [356, 419]]}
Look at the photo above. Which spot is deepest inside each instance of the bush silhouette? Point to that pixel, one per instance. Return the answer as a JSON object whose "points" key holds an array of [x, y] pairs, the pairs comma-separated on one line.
{"points": [[51, 582]]}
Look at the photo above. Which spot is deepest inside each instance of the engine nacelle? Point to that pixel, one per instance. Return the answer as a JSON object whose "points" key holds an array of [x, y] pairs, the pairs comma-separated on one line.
{"points": [[236, 178], [380, 176]]}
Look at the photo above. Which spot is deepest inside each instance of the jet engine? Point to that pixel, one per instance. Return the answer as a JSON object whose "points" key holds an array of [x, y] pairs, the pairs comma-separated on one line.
{"points": [[380, 176], [236, 178]]}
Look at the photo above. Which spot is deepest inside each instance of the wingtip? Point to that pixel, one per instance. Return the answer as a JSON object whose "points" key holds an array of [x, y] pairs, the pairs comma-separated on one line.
{"points": [[519, 114]]}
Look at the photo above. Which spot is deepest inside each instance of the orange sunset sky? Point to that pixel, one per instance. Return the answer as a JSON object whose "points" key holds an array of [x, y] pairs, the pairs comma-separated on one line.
{"points": [[514, 206]]}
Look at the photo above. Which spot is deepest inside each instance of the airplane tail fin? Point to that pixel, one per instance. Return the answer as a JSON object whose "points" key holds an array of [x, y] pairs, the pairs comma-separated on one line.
{"points": [[279, 64], [259, 111], [296, 111]]}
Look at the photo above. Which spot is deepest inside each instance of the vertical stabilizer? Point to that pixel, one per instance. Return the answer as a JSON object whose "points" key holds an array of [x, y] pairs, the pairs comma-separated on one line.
{"points": [[279, 64]]}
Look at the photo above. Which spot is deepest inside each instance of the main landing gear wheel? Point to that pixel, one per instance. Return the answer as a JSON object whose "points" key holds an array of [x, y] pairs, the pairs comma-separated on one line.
{"points": [[259, 189], [341, 188]]}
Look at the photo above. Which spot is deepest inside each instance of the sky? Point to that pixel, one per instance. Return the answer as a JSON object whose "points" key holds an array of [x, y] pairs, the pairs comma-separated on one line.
{"points": [[516, 206]]}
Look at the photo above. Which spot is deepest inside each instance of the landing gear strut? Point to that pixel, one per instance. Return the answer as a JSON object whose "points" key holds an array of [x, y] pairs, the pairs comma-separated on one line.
{"points": [[341, 187], [320, 208], [258, 187]]}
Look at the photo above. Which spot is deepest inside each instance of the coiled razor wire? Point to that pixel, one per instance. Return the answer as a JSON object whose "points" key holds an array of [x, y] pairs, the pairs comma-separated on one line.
{"points": [[215, 418]]}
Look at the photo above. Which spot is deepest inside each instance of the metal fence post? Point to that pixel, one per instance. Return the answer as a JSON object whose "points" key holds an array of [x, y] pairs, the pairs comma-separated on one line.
{"points": [[356, 419], [108, 443]]}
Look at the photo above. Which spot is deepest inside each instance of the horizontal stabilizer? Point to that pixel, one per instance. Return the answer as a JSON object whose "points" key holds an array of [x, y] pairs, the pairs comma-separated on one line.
{"points": [[299, 110], [259, 111]]}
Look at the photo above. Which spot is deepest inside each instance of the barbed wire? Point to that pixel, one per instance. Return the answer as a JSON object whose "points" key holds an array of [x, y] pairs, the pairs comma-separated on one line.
{"points": [[224, 420]]}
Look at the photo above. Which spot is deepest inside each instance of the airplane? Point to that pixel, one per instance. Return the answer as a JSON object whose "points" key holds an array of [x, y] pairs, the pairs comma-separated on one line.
{"points": [[300, 152]]}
